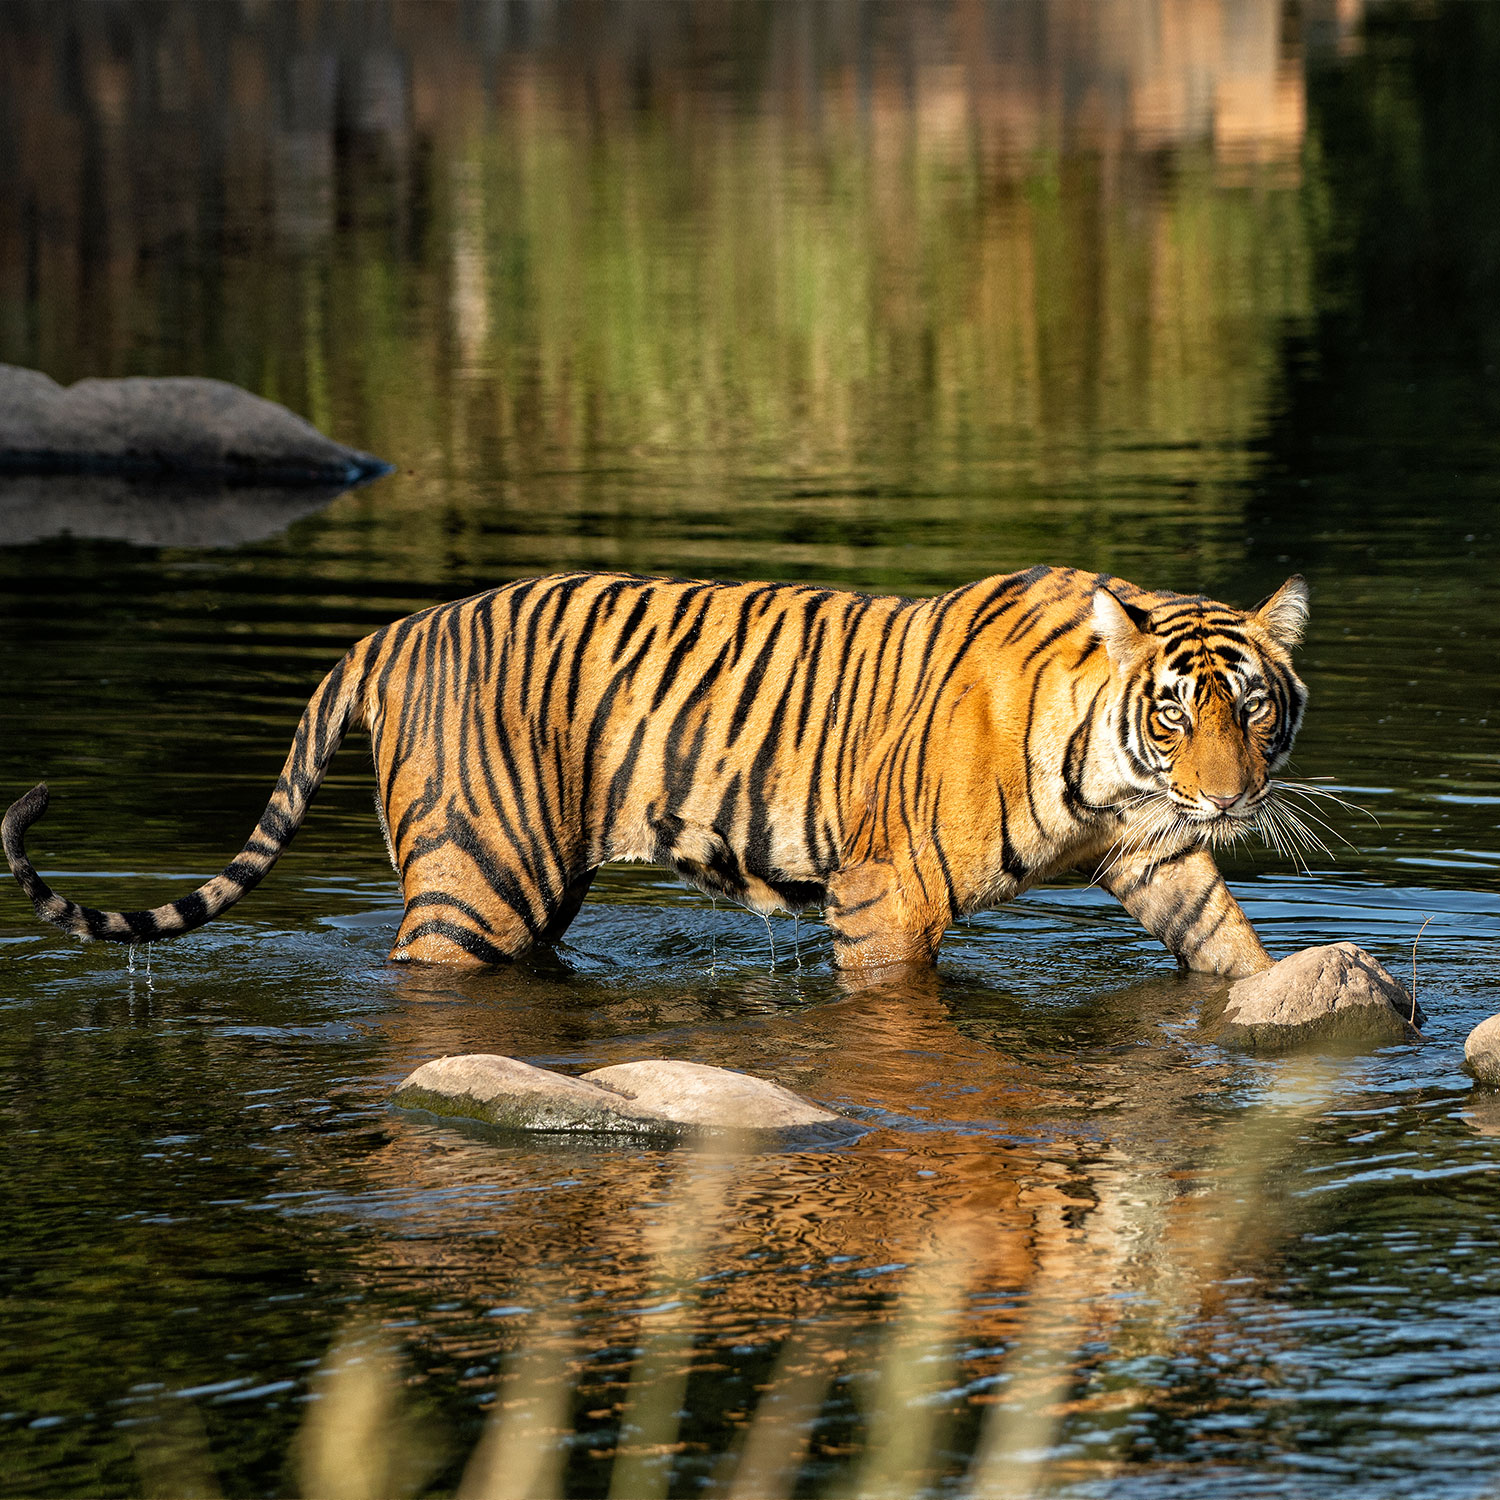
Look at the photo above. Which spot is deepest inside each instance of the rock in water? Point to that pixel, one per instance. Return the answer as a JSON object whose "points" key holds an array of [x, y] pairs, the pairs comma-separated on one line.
{"points": [[666, 1100], [516, 1096], [180, 424], [1335, 998], [695, 1094], [1482, 1052]]}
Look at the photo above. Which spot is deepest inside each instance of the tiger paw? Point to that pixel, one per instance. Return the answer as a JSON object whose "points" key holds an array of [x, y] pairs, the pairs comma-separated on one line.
{"points": [[1334, 998]]}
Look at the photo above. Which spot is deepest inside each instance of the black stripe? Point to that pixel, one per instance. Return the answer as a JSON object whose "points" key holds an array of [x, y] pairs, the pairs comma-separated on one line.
{"points": [[1011, 863], [1026, 755], [632, 623], [753, 679], [580, 641], [757, 843], [486, 952], [679, 653], [619, 784], [1054, 635], [441, 898], [1185, 919], [810, 656]]}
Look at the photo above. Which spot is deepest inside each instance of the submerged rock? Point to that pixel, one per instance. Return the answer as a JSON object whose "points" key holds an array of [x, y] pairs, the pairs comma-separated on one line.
{"points": [[668, 1100], [1482, 1052], [1336, 997], [175, 424]]}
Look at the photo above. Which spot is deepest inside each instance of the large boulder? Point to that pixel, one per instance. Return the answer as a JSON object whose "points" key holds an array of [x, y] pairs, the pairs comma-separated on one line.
{"points": [[1482, 1052], [660, 1099], [1331, 998], [174, 424]]}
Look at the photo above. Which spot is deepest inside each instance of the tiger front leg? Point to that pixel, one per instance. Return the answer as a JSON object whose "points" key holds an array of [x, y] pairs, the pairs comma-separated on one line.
{"points": [[881, 916], [1184, 902]]}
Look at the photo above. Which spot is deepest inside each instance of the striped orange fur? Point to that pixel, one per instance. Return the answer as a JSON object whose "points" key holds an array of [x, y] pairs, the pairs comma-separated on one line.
{"points": [[900, 763]]}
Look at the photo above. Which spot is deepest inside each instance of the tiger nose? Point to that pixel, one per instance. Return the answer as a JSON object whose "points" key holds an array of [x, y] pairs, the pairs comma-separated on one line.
{"points": [[1224, 803]]}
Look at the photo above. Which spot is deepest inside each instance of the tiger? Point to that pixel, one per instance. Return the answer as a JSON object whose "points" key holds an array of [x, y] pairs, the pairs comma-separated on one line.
{"points": [[899, 763]]}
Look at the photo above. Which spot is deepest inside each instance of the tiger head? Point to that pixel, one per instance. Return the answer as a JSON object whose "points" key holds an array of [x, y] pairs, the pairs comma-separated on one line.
{"points": [[1209, 703]]}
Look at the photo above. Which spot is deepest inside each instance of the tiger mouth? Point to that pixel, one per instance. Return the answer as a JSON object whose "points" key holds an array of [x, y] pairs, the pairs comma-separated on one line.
{"points": [[1229, 823]]}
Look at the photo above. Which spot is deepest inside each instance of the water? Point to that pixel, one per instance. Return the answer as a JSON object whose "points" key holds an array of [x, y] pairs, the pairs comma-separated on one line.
{"points": [[887, 298]]}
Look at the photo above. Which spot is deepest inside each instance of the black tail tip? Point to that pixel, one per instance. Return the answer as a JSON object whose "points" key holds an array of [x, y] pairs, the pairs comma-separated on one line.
{"points": [[23, 812]]}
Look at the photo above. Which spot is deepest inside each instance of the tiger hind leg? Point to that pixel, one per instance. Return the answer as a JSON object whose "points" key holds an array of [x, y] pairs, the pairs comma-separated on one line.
{"points": [[442, 928], [439, 928]]}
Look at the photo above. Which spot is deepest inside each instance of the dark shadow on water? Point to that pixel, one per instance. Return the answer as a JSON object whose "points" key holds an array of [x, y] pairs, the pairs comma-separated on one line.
{"points": [[151, 512]]}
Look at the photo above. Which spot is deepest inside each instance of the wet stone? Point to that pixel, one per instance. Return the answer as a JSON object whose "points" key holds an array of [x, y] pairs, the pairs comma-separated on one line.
{"points": [[1331, 998], [695, 1094], [1482, 1052], [656, 1098], [174, 424]]}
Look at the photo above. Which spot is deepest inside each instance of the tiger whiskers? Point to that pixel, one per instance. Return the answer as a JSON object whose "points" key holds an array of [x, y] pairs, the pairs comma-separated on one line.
{"points": [[1298, 821], [1132, 837], [1292, 830], [1309, 790], [1264, 823], [1286, 791], [1286, 833], [1159, 822]]}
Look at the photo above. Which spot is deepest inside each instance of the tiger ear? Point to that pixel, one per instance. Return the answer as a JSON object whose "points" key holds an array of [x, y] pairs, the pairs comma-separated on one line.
{"points": [[1284, 614], [1122, 627]]}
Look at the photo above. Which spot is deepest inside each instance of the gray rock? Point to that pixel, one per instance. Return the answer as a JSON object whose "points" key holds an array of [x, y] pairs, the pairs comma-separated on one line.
{"points": [[506, 1092], [665, 1100], [711, 1098], [178, 424], [1482, 1052], [1332, 998]]}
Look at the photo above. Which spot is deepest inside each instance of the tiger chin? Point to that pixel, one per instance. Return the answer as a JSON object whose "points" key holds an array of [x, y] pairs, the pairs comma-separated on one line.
{"points": [[899, 763]]}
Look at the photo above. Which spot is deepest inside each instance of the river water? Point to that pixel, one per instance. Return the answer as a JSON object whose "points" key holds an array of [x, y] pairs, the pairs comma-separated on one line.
{"points": [[1199, 292]]}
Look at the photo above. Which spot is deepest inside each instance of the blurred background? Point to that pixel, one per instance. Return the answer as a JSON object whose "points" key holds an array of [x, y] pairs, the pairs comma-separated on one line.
{"points": [[1195, 291], [889, 296]]}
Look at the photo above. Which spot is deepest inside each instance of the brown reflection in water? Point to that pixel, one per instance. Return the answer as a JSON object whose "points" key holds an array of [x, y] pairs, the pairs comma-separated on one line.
{"points": [[955, 246], [1069, 1181]]}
